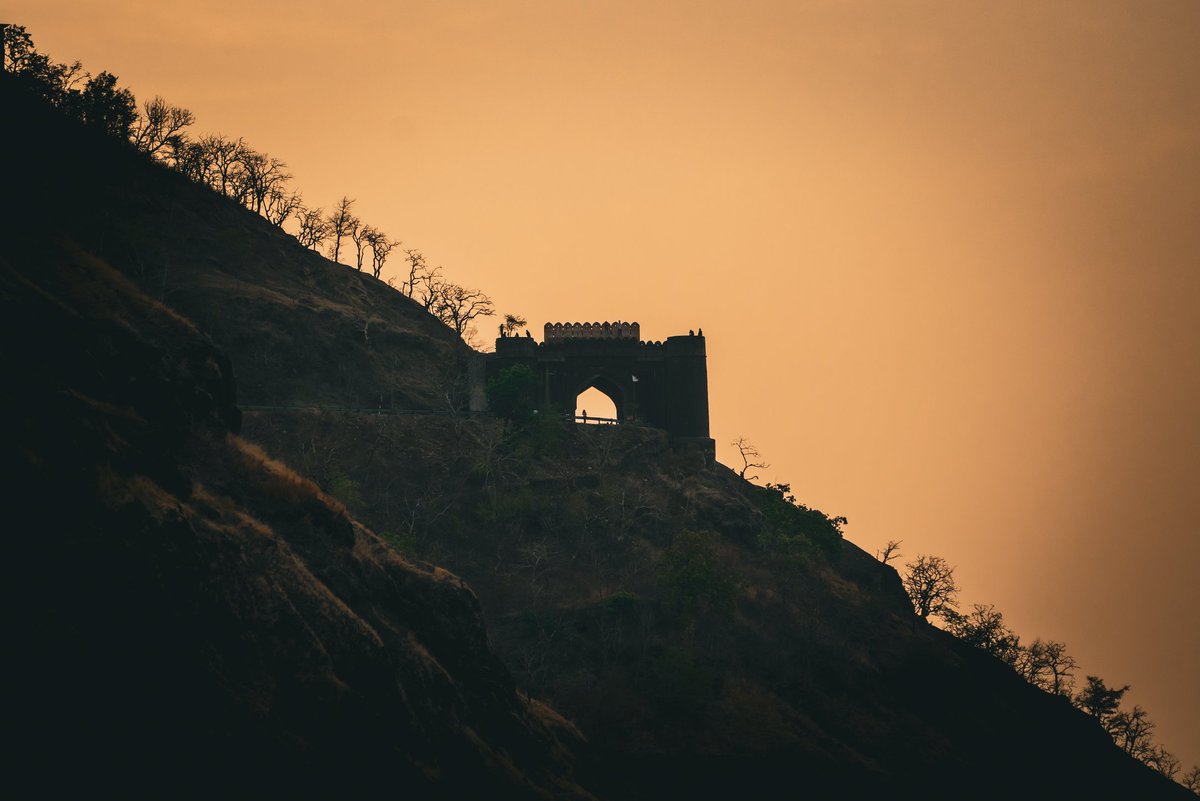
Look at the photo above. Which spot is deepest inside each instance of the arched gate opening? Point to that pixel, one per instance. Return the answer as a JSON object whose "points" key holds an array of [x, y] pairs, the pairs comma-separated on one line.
{"points": [[600, 401]]}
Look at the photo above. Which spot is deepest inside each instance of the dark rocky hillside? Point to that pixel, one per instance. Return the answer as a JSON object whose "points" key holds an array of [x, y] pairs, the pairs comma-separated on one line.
{"points": [[298, 332], [192, 618], [711, 639], [185, 602]]}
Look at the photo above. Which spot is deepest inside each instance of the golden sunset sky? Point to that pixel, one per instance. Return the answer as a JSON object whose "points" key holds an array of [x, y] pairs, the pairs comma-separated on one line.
{"points": [[946, 254]]}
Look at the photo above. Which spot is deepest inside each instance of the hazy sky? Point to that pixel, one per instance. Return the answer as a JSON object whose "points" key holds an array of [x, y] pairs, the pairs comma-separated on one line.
{"points": [[946, 254]]}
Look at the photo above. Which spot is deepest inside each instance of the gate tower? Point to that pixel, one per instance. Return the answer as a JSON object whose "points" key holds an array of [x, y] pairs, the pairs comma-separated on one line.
{"points": [[661, 384]]}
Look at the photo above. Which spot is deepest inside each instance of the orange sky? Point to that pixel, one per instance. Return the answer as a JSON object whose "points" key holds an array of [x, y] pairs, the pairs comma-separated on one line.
{"points": [[947, 255]]}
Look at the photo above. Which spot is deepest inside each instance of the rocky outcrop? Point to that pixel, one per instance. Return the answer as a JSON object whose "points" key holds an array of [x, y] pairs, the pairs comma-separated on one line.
{"points": [[192, 618]]}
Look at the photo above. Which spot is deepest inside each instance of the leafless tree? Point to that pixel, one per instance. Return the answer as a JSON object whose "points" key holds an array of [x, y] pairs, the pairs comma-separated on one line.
{"points": [[360, 235], [984, 628], [224, 160], [418, 272], [341, 223], [175, 151], [890, 551], [1191, 779], [472, 338], [750, 458], [1046, 664], [381, 246], [538, 558], [931, 587], [429, 289], [159, 127], [1163, 761], [281, 204], [1132, 732], [457, 306], [314, 229], [1062, 668], [193, 161], [262, 176], [426, 507]]}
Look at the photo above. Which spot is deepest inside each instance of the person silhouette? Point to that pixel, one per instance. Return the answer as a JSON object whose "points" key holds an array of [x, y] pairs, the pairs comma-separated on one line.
{"points": [[585, 417]]}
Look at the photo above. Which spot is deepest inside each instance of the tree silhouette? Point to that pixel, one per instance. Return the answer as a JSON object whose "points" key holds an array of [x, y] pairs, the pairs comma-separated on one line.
{"points": [[263, 178], [360, 235], [750, 457], [1191, 779], [191, 160], [341, 223], [159, 127], [220, 164], [1163, 761], [281, 204], [36, 72], [1046, 664], [984, 628], [1132, 732], [314, 229], [1099, 700], [890, 551], [930, 586], [381, 246], [418, 273], [457, 306], [512, 323], [429, 288], [105, 107]]}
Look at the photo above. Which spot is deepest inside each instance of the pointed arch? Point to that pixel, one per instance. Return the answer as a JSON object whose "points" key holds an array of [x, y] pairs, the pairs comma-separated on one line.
{"points": [[606, 386]]}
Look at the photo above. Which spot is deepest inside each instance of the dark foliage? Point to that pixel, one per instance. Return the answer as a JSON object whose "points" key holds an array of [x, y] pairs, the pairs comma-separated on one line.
{"points": [[790, 527], [511, 393]]}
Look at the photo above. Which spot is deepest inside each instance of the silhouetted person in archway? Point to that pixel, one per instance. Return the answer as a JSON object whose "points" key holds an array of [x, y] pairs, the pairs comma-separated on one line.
{"points": [[585, 417]]}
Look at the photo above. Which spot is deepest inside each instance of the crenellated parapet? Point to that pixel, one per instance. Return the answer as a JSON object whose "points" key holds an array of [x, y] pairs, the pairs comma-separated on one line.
{"points": [[557, 332]]}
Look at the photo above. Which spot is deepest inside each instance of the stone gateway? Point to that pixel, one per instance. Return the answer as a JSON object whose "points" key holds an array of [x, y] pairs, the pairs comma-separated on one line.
{"points": [[661, 384]]}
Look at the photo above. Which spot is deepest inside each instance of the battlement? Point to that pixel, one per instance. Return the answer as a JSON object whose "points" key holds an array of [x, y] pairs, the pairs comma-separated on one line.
{"points": [[557, 332]]}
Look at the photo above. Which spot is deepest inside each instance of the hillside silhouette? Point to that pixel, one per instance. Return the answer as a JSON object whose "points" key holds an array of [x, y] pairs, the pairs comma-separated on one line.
{"points": [[193, 610]]}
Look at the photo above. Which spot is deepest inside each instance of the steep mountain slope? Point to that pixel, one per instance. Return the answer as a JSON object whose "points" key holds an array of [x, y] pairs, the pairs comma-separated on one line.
{"points": [[298, 332], [709, 637], [191, 618]]}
